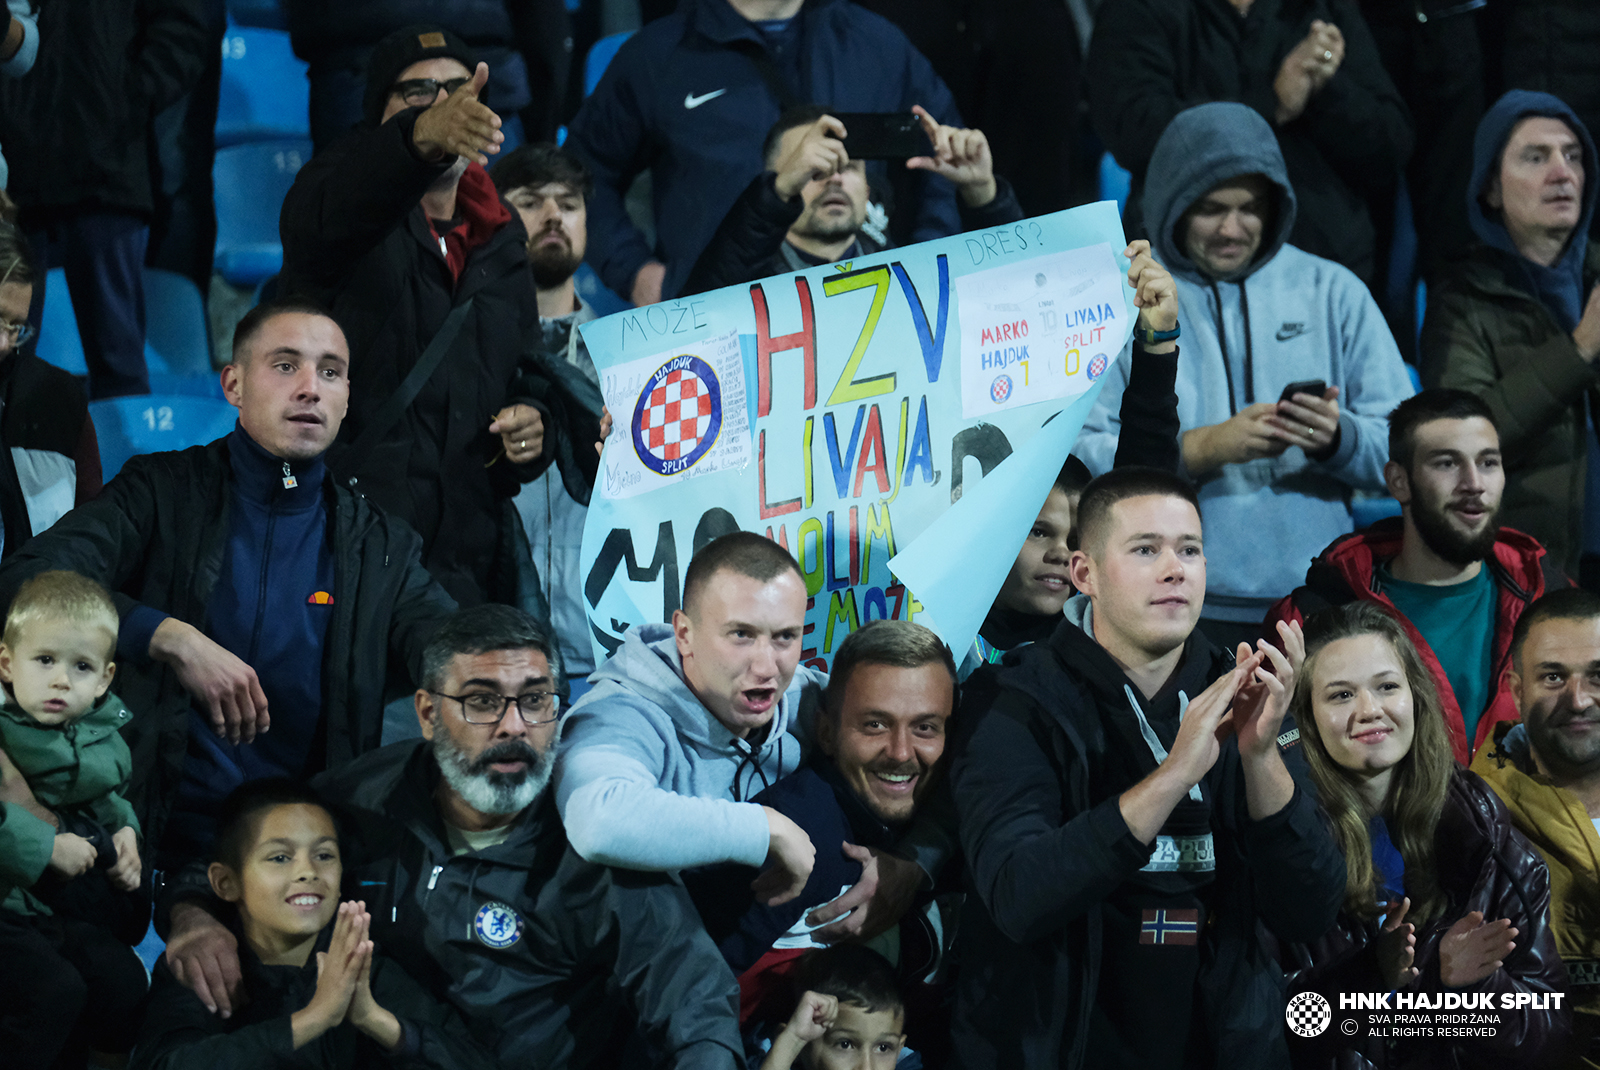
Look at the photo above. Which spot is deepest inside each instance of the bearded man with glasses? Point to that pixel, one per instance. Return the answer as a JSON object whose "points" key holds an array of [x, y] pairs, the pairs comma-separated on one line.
{"points": [[461, 858]]}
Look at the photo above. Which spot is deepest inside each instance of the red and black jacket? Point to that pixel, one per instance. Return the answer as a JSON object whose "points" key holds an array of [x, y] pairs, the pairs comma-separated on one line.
{"points": [[1347, 571]]}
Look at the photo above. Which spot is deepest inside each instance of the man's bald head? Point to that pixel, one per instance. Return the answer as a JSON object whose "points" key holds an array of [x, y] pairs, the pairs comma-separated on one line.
{"points": [[742, 552]]}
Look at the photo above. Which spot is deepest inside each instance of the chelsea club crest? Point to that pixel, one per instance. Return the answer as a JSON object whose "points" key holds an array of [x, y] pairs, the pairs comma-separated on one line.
{"points": [[497, 925]]}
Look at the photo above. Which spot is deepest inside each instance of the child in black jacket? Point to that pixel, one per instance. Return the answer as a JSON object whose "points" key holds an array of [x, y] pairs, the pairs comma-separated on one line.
{"points": [[315, 991]]}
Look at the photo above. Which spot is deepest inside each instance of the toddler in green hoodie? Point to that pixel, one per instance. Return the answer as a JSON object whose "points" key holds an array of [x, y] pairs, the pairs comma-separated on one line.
{"points": [[59, 728]]}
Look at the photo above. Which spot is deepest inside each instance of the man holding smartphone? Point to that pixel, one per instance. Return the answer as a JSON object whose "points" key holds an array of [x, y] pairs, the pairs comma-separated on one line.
{"points": [[1289, 369], [691, 96], [810, 206]]}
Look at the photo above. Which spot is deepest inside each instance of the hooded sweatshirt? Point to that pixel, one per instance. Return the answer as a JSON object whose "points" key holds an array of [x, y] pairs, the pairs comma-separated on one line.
{"points": [[1289, 316], [648, 779]]}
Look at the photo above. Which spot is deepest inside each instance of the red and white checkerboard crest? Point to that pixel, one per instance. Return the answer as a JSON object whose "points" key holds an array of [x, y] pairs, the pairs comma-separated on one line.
{"points": [[678, 415]]}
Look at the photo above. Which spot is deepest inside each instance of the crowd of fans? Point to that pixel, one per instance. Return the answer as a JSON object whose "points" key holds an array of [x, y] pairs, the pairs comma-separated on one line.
{"points": [[1218, 770]]}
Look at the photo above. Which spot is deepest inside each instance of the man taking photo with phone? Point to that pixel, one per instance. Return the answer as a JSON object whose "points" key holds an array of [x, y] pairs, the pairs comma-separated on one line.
{"points": [[1289, 370], [810, 206]]}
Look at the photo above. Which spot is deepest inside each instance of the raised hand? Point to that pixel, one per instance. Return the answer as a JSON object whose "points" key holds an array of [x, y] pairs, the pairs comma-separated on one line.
{"points": [[365, 1013], [1397, 946], [818, 154], [1155, 293], [810, 1021], [459, 125], [960, 155], [338, 971], [1472, 949], [1307, 68], [1263, 700]]}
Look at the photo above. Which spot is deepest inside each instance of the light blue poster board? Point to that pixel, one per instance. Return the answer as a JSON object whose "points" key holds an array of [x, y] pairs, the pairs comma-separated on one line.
{"points": [[896, 422]]}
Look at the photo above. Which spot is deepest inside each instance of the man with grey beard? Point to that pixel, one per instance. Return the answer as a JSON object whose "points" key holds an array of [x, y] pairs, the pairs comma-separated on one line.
{"points": [[398, 230], [460, 856], [1547, 772]]}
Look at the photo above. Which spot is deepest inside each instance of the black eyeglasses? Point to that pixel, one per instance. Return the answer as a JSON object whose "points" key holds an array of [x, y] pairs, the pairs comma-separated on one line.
{"points": [[487, 707], [422, 91]]}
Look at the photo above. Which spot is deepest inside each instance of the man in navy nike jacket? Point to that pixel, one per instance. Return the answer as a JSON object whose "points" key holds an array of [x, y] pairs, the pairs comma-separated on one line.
{"points": [[692, 96]]}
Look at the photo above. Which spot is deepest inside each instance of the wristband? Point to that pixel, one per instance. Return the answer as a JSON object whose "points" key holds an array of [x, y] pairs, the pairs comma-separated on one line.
{"points": [[1149, 336]]}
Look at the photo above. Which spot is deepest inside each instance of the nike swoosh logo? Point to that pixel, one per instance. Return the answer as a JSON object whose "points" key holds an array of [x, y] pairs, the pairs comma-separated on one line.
{"points": [[692, 101], [1291, 330]]}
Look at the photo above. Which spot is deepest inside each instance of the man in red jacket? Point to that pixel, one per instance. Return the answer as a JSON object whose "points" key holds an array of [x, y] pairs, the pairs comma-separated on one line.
{"points": [[1446, 570]]}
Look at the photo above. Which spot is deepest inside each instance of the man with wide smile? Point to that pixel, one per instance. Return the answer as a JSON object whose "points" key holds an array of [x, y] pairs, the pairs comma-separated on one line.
{"points": [[687, 723], [1445, 569], [1547, 772], [881, 742]]}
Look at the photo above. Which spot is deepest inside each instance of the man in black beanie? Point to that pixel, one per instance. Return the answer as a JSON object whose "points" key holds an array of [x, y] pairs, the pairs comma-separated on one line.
{"points": [[398, 230]]}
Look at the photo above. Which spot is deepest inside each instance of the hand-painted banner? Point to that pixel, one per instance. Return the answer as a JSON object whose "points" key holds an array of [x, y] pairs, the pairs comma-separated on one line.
{"points": [[863, 433]]}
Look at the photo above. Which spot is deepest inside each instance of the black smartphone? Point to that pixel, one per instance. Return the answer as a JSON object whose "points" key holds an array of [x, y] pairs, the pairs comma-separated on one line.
{"points": [[1314, 387], [883, 135]]}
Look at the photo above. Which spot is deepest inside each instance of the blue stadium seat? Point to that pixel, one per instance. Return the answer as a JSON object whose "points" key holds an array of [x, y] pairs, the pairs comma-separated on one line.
{"points": [[177, 344], [177, 349], [151, 423], [1368, 511], [251, 180], [59, 343], [600, 55], [1115, 182], [264, 93]]}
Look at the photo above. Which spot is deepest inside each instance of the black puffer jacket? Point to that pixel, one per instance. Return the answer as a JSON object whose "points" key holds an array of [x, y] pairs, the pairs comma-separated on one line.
{"points": [[356, 241], [1486, 865], [1151, 59], [76, 129], [586, 948], [1043, 855], [156, 536]]}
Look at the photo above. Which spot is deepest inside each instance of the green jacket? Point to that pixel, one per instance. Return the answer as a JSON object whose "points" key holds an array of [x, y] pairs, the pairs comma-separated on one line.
{"points": [[1485, 334], [77, 769]]}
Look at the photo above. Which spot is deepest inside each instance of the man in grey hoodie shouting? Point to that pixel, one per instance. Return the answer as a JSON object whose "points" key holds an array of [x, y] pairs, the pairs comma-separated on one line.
{"points": [[1274, 466], [689, 721]]}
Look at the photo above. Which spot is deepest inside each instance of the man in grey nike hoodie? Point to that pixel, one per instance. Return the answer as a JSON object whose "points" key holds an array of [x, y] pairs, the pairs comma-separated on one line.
{"points": [[1258, 314], [688, 721]]}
